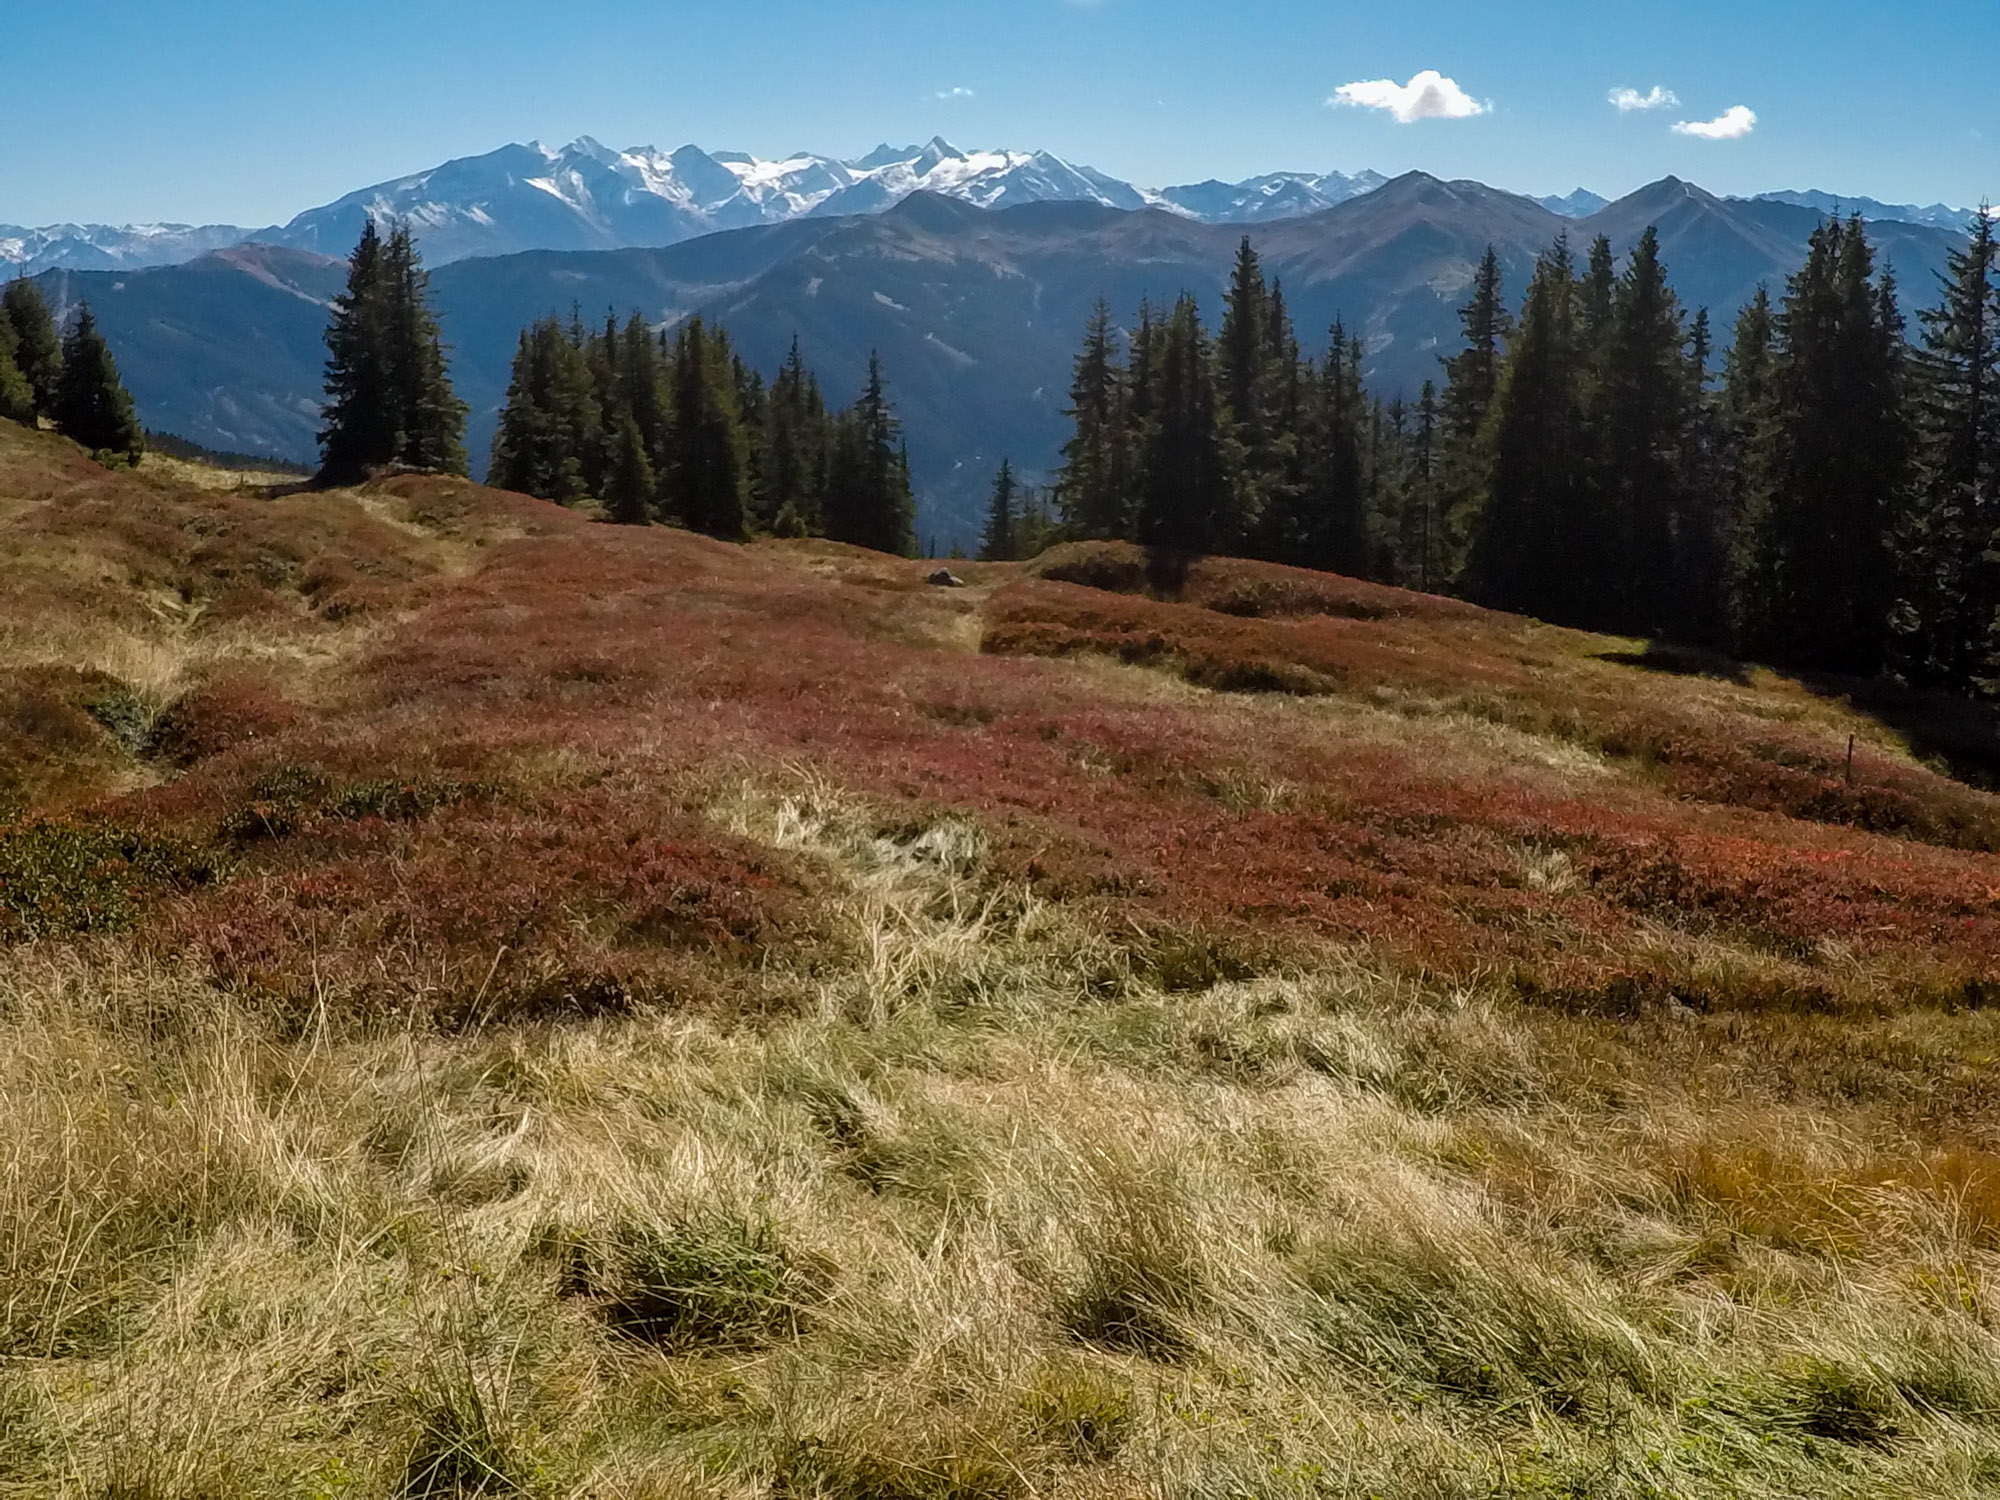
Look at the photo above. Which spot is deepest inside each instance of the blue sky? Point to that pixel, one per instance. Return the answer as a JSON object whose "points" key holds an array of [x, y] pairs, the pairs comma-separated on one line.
{"points": [[248, 111]]}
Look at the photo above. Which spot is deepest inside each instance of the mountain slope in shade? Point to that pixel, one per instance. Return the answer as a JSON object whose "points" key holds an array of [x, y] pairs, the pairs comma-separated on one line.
{"points": [[976, 313]]}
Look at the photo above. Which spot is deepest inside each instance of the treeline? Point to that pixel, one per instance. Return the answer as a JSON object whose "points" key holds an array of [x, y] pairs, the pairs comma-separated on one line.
{"points": [[1831, 502], [71, 380], [676, 426]]}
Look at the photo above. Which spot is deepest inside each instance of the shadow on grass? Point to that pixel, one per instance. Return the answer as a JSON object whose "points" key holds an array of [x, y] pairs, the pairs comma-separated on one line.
{"points": [[1959, 737], [1682, 661]]}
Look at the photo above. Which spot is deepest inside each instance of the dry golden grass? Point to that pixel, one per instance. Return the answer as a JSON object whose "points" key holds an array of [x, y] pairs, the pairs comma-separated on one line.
{"points": [[967, 1187]]}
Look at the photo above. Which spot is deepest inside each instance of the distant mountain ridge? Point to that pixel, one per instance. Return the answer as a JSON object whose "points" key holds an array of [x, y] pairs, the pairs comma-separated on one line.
{"points": [[976, 313], [586, 196]]}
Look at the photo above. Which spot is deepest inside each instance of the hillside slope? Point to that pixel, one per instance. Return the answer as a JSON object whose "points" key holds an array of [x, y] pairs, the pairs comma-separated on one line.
{"points": [[497, 1004]]}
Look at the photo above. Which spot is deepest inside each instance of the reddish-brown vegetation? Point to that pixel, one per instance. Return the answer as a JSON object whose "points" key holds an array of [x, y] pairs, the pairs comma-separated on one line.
{"points": [[504, 631]]}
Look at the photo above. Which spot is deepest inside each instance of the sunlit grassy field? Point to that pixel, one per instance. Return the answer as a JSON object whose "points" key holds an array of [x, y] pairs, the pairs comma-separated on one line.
{"points": [[494, 1005]]}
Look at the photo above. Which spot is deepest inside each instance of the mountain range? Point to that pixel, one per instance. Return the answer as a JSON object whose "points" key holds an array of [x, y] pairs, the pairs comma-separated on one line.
{"points": [[977, 312], [585, 196]]}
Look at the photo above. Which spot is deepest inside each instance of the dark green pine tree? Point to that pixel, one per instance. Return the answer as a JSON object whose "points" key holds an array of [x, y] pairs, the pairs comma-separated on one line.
{"points": [[640, 391], [551, 429], [430, 419], [791, 469], [1418, 520], [1091, 485], [628, 496], [1325, 524], [999, 542], [1747, 415], [1472, 376], [37, 349], [868, 499], [1952, 578], [1639, 408], [389, 395], [1139, 408], [360, 429], [1596, 304], [1472, 381], [92, 406], [1537, 548], [1822, 556], [1705, 526], [707, 478], [17, 396], [1244, 377], [1186, 480]]}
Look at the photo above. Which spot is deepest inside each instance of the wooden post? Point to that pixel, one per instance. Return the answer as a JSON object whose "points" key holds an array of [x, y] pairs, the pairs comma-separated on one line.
{"points": [[1850, 760]]}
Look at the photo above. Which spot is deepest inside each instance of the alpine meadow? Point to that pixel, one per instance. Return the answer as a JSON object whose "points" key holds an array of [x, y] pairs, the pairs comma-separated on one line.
{"points": [[923, 824]]}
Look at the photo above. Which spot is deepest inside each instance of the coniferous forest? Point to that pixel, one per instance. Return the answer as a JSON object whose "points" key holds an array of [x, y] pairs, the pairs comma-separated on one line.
{"points": [[1822, 496], [675, 426]]}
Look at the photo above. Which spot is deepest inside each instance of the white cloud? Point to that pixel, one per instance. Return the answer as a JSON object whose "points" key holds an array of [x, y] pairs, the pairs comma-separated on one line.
{"points": [[1428, 96], [958, 93], [1628, 100], [1731, 125]]}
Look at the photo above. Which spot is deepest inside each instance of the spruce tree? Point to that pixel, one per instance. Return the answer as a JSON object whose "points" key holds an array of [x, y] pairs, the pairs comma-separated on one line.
{"points": [[17, 396], [628, 496], [1186, 485], [791, 469], [1748, 417], [1822, 553], [1244, 379], [1640, 410], [707, 479], [389, 395], [550, 430], [1472, 377], [92, 406], [37, 348], [1537, 549], [1090, 486], [1324, 524], [430, 419], [999, 542], [1951, 581], [868, 501], [1421, 525]]}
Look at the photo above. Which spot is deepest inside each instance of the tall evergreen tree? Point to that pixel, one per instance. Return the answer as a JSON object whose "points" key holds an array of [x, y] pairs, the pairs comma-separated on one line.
{"points": [[1952, 583], [551, 430], [92, 406], [999, 542], [1822, 554], [1245, 377], [389, 395], [1640, 409], [37, 348], [1472, 376], [868, 500], [791, 469], [628, 496], [1090, 486], [1538, 548], [1324, 524], [707, 480], [429, 417], [1186, 485], [17, 396]]}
